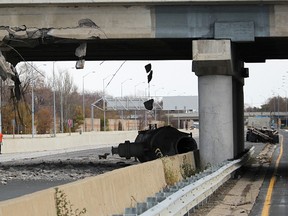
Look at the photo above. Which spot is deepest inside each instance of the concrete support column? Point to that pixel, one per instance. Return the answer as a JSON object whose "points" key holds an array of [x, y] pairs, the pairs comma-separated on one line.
{"points": [[216, 118], [220, 90], [238, 116]]}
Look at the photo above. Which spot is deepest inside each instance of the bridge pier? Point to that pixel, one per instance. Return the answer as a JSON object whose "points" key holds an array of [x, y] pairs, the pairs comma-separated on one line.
{"points": [[221, 105]]}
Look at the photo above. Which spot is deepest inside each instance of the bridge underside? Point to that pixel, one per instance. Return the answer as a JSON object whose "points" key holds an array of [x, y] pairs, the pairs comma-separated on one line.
{"points": [[220, 78], [218, 39], [55, 49]]}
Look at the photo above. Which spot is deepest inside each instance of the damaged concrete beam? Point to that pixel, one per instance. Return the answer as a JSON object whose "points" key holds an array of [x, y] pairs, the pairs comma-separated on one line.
{"points": [[85, 30], [5, 68], [75, 33]]}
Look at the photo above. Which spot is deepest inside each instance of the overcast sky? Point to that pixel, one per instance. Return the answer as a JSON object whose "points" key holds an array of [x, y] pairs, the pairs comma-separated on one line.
{"points": [[266, 80], [170, 78]]}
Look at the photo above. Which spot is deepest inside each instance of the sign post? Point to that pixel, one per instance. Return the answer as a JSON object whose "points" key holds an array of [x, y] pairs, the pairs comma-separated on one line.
{"points": [[70, 124]]}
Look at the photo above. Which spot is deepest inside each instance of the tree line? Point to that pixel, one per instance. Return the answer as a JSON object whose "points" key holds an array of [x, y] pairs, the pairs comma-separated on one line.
{"points": [[17, 114], [273, 104]]}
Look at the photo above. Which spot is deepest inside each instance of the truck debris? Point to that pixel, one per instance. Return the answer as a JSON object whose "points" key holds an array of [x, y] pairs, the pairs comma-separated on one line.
{"points": [[262, 135], [156, 143]]}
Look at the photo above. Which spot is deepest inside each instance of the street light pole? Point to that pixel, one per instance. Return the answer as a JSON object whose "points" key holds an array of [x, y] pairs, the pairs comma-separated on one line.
{"points": [[122, 111], [283, 88], [61, 111], [83, 101], [33, 101], [135, 97], [122, 86], [285, 104], [285, 107], [136, 86], [32, 108], [54, 101], [155, 113], [104, 105]]}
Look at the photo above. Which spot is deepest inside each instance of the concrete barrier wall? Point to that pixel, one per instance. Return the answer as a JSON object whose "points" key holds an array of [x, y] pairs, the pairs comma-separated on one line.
{"points": [[63, 141], [178, 167], [105, 194], [37, 204], [24, 143], [117, 190]]}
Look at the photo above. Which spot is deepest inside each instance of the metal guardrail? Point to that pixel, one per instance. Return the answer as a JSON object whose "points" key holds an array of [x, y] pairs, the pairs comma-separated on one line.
{"points": [[193, 194]]}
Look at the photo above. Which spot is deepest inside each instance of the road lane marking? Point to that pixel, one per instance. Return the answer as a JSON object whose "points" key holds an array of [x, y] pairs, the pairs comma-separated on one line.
{"points": [[267, 203]]}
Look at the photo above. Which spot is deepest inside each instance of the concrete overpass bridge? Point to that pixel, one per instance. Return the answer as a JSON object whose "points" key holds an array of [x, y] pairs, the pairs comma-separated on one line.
{"points": [[218, 36], [195, 115]]}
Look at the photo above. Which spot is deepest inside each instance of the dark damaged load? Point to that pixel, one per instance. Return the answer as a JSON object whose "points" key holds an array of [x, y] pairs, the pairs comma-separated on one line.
{"points": [[262, 135], [156, 143]]}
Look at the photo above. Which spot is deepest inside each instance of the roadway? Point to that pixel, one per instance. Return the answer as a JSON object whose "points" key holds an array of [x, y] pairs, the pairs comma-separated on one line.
{"points": [[25, 173], [273, 196], [271, 200]]}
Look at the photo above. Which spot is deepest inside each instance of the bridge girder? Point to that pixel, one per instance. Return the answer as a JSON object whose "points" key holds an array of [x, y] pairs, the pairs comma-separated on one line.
{"points": [[134, 49]]}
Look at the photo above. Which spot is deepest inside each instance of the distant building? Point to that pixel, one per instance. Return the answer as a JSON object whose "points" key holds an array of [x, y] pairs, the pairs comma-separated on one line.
{"points": [[183, 103], [259, 122]]}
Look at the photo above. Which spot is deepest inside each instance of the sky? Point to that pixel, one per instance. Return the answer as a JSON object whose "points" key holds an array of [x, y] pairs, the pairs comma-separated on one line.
{"points": [[266, 80], [170, 78]]}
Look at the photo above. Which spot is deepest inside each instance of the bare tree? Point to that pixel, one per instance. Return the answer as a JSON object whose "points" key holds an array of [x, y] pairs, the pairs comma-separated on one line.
{"points": [[66, 93], [28, 75]]}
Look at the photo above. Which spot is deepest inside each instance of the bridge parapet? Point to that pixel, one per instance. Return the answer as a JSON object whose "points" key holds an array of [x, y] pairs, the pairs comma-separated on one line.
{"points": [[136, 1]]}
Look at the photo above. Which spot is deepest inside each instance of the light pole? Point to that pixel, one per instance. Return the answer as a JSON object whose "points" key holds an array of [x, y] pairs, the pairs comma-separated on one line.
{"points": [[32, 101], [283, 88], [136, 86], [32, 105], [122, 111], [285, 103], [155, 111], [83, 101], [135, 98], [104, 105], [61, 111], [178, 119], [285, 107], [274, 108], [122, 86], [54, 101]]}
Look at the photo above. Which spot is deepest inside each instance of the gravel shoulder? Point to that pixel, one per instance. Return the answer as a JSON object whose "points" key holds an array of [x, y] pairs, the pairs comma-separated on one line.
{"points": [[237, 196], [35, 172], [67, 166]]}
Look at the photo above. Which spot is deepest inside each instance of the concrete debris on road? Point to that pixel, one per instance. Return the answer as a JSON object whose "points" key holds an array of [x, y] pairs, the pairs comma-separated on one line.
{"points": [[237, 196], [67, 167]]}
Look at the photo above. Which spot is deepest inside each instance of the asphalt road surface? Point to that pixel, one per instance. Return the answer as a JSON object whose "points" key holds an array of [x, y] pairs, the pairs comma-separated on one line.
{"points": [[273, 196], [32, 173], [25, 173]]}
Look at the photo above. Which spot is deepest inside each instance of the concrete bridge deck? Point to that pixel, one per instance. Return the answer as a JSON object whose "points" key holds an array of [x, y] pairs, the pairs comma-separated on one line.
{"points": [[143, 30]]}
